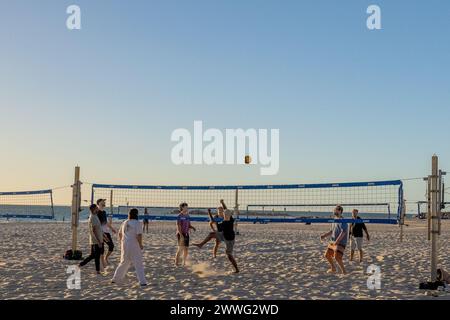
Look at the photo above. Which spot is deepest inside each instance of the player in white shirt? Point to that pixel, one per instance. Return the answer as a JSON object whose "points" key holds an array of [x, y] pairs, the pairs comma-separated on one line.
{"points": [[130, 235]]}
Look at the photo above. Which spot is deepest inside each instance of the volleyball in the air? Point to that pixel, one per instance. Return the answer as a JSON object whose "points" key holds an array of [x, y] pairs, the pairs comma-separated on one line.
{"points": [[248, 159]]}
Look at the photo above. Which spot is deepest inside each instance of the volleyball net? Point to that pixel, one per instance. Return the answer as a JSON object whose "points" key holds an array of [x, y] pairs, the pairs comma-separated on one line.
{"points": [[376, 201], [422, 209], [27, 204]]}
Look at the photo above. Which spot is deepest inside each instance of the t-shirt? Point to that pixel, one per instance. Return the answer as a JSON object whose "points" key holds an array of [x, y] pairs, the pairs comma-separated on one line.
{"points": [[218, 222], [104, 221], [336, 229], [94, 223], [356, 229], [101, 214], [227, 227], [184, 221], [130, 230]]}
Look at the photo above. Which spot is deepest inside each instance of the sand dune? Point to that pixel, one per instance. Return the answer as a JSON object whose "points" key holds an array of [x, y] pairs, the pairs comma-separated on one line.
{"points": [[278, 261]]}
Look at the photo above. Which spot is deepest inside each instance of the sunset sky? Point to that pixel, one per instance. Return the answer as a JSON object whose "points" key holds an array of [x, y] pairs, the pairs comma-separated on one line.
{"points": [[351, 104]]}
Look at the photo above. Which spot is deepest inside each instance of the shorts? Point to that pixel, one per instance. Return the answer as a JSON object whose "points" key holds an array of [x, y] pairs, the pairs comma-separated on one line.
{"points": [[183, 241], [356, 242], [109, 241], [145, 221], [229, 244], [219, 236], [335, 251]]}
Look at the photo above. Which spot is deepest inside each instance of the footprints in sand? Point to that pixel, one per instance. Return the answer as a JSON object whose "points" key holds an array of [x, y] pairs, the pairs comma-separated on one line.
{"points": [[277, 261]]}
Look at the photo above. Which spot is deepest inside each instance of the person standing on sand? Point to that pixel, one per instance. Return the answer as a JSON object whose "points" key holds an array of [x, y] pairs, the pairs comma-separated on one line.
{"points": [[338, 242], [356, 236], [227, 235], [145, 225], [95, 238], [214, 221], [183, 228], [107, 228], [130, 235]]}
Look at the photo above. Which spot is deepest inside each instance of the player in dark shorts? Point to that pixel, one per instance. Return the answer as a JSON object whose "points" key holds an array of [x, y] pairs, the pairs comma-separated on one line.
{"points": [[183, 228], [107, 230], [146, 221]]}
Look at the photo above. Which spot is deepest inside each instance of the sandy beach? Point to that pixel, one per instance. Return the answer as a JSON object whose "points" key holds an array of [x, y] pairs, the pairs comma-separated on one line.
{"points": [[277, 261]]}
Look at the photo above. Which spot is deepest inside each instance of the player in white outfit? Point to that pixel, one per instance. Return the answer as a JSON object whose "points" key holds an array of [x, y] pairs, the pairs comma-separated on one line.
{"points": [[130, 235]]}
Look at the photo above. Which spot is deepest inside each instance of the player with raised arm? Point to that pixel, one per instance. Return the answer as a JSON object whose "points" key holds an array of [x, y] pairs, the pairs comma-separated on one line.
{"points": [[215, 227]]}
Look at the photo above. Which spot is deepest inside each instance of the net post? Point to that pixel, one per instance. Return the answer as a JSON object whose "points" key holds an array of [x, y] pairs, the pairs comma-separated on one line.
{"points": [[111, 206], [418, 210], [402, 219], [434, 213], [441, 199], [236, 209], [92, 194], [51, 203], [428, 208], [76, 201]]}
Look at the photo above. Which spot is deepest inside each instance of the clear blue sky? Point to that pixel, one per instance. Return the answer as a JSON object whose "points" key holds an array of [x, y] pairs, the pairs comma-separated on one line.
{"points": [[351, 104]]}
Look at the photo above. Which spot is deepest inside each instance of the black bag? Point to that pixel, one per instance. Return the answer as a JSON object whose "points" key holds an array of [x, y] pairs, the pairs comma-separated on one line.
{"points": [[70, 255], [431, 285]]}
